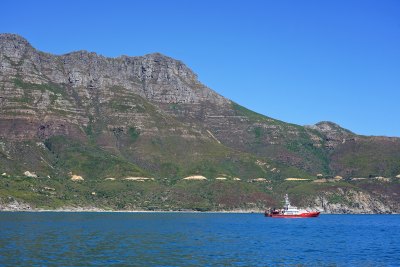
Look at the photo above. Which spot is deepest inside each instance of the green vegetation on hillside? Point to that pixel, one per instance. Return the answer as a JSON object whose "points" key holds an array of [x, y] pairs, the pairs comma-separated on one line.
{"points": [[88, 160], [90, 117]]}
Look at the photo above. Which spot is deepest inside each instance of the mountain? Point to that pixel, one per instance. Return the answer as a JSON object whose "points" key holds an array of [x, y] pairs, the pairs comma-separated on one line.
{"points": [[109, 119]]}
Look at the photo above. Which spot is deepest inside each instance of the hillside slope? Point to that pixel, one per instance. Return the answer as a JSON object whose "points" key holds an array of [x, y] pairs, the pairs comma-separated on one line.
{"points": [[96, 117]]}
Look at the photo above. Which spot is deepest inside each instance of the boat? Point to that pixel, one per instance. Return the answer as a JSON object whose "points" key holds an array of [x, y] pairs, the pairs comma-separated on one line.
{"points": [[290, 211]]}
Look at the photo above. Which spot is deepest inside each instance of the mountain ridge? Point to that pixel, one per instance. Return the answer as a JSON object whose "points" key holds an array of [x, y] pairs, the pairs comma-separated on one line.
{"points": [[97, 117], [16, 37]]}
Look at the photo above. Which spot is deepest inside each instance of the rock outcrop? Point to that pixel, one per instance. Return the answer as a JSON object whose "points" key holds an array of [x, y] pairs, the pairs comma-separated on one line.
{"points": [[14, 205], [355, 202]]}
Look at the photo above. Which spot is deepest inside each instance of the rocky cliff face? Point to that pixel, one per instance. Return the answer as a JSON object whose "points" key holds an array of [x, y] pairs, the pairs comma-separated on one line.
{"points": [[356, 202], [154, 77], [116, 117], [73, 87]]}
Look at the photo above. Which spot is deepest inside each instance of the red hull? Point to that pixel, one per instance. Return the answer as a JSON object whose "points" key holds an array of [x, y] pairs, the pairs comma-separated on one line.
{"points": [[302, 215]]}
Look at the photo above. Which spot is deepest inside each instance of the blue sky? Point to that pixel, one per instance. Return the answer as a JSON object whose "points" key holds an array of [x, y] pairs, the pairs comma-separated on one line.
{"points": [[297, 61]]}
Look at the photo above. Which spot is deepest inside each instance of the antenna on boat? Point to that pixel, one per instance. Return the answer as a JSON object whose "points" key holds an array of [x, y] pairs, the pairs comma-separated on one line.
{"points": [[287, 202]]}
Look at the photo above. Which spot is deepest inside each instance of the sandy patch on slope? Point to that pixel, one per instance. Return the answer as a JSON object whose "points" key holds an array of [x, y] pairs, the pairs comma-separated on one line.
{"points": [[195, 177]]}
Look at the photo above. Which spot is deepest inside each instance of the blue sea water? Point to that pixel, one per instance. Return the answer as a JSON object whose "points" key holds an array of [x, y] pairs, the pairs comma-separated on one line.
{"points": [[196, 239]]}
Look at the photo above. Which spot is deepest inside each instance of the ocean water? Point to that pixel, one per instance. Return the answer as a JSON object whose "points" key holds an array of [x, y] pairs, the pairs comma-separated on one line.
{"points": [[196, 239]]}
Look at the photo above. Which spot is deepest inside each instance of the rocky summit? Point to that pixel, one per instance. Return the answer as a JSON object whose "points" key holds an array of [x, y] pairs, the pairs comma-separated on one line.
{"points": [[83, 130]]}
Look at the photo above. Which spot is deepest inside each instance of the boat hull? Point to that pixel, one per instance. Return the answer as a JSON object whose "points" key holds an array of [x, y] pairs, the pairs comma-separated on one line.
{"points": [[301, 215]]}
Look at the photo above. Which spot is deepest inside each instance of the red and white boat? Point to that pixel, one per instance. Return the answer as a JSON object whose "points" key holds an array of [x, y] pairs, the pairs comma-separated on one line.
{"points": [[290, 211]]}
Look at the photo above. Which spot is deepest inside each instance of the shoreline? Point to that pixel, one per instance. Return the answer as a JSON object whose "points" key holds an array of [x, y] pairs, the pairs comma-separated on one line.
{"points": [[94, 210], [16, 206], [132, 211]]}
